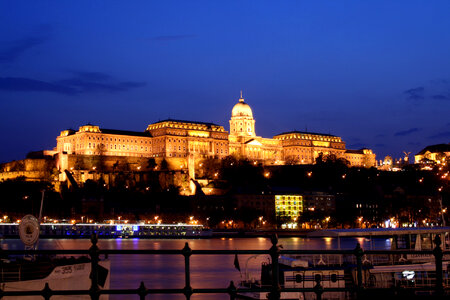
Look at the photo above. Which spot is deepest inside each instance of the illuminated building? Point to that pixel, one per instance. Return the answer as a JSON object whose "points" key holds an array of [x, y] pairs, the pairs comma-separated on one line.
{"points": [[175, 138], [439, 154], [288, 206], [243, 140], [305, 147], [182, 143]]}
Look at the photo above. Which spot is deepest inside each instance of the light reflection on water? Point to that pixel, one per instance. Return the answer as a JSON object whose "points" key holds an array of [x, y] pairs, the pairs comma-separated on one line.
{"points": [[207, 271]]}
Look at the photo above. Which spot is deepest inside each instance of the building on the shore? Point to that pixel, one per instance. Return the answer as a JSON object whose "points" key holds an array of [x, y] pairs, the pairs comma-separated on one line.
{"points": [[188, 141], [319, 202]]}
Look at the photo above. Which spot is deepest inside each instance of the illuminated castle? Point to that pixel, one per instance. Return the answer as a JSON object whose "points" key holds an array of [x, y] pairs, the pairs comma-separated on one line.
{"points": [[183, 143]]}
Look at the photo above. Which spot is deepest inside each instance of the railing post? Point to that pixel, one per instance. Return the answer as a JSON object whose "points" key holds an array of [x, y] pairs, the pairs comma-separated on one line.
{"points": [[437, 252], [94, 254], [187, 289], [274, 252], [359, 253], [46, 292], [142, 291], [232, 290], [318, 289]]}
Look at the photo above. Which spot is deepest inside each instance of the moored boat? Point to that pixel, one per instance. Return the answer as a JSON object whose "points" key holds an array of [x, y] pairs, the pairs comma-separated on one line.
{"points": [[32, 272], [59, 273], [391, 271]]}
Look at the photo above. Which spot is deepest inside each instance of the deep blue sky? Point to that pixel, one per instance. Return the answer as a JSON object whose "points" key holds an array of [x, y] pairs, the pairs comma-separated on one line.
{"points": [[376, 73]]}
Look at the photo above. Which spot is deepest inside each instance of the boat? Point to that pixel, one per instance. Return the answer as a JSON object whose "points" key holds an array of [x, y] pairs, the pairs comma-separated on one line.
{"points": [[32, 273], [62, 273], [108, 230], [340, 271]]}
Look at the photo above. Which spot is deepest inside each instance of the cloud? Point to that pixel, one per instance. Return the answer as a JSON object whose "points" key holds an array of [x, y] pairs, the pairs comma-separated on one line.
{"points": [[164, 38], [441, 135], [15, 49], [81, 82], [440, 97], [85, 86], [407, 132], [433, 90], [31, 85], [415, 94]]}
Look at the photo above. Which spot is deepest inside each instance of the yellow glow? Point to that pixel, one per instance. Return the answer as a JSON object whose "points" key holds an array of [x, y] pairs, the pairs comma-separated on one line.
{"points": [[288, 206], [198, 133], [321, 144]]}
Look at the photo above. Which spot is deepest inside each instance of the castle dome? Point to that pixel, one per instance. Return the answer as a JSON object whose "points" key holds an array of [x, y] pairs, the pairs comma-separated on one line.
{"points": [[242, 109]]}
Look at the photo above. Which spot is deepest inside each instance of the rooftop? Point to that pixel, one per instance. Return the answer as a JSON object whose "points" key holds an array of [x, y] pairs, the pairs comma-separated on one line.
{"points": [[184, 121], [435, 149], [305, 132]]}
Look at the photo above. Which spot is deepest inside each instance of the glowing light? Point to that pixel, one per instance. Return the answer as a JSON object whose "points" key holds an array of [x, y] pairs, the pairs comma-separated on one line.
{"points": [[409, 275]]}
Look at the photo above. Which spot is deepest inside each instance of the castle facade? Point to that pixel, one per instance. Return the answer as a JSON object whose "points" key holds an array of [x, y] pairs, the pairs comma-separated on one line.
{"points": [[186, 142]]}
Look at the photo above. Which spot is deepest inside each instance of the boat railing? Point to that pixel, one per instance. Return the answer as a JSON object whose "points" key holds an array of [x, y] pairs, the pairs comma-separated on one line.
{"points": [[363, 282]]}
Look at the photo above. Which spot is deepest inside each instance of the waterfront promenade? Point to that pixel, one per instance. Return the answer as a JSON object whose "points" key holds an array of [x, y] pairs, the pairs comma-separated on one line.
{"points": [[211, 262]]}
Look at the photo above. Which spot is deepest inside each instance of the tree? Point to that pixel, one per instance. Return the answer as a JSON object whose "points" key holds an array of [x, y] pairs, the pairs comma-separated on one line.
{"points": [[151, 164], [164, 166]]}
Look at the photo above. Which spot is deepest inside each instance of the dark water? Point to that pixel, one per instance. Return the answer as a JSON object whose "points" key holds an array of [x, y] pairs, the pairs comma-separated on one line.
{"points": [[207, 271]]}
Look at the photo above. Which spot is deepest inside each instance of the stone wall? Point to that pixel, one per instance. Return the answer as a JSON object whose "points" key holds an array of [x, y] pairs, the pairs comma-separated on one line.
{"points": [[31, 169]]}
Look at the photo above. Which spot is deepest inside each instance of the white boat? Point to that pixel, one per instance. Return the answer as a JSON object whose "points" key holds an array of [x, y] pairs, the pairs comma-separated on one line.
{"points": [[31, 273], [60, 274], [378, 271], [296, 273]]}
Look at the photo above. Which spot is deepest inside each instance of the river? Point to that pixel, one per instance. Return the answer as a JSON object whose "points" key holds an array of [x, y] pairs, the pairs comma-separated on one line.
{"points": [[207, 271]]}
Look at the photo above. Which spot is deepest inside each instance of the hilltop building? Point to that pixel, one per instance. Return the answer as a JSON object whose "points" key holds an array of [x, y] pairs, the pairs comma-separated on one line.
{"points": [[439, 154], [182, 143]]}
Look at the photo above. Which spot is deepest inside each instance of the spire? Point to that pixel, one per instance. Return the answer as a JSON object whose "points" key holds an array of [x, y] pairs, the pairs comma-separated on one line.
{"points": [[241, 99]]}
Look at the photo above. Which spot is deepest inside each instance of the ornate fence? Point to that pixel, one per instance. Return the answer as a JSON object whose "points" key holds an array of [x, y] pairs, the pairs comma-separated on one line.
{"points": [[358, 290]]}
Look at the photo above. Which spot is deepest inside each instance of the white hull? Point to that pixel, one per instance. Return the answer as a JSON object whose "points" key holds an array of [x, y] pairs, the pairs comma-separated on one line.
{"points": [[69, 277]]}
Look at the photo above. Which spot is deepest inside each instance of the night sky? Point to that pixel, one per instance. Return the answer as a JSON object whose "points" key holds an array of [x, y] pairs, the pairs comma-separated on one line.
{"points": [[376, 73]]}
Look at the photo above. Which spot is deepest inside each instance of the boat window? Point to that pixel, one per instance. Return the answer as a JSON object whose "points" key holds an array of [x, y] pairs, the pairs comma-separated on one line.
{"points": [[426, 241], [333, 277], [298, 278], [317, 277]]}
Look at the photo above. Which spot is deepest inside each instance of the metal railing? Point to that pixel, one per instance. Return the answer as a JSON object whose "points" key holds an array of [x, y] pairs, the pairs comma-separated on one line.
{"points": [[274, 290]]}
